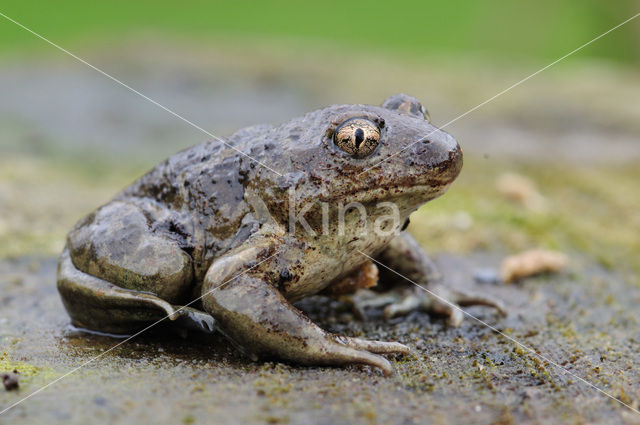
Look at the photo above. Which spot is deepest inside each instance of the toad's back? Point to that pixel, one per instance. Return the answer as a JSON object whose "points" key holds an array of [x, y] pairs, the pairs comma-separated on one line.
{"points": [[188, 210], [202, 193]]}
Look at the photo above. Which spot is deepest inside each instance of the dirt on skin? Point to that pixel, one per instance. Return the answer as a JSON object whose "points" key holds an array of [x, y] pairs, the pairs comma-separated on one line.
{"points": [[71, 140]]}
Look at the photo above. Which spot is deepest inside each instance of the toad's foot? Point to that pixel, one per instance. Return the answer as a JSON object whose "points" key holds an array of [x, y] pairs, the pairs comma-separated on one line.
{"points": [[439, 300]]}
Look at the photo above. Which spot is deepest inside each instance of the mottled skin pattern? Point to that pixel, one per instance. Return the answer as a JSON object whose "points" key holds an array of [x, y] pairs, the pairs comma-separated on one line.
{"points": [[210, 223]]}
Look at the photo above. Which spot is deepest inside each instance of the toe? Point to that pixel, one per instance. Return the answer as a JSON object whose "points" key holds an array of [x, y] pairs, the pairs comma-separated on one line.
{"points": [[452, 311], [475, 299], [195, 319], [455, 317], [404, 307], [377, 347], [344, 354]]}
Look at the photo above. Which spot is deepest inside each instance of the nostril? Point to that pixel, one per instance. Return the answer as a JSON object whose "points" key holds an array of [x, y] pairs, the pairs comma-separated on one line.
{"points": [[425, 140]]}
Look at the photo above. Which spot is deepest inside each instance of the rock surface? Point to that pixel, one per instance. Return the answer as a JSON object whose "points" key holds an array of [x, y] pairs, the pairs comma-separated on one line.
{"points": [[582, 326]]}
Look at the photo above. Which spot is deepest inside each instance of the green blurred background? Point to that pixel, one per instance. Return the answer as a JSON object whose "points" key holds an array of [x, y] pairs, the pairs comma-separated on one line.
{"points": [[71, 138], [543, 30]]}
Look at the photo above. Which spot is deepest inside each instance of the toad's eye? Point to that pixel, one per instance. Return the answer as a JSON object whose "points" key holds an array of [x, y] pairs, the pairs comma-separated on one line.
{"points": [[357, 136]]}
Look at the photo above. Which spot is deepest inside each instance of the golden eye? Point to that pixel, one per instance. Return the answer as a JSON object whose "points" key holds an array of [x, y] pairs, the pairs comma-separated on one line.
{"points": [[357, 136]]}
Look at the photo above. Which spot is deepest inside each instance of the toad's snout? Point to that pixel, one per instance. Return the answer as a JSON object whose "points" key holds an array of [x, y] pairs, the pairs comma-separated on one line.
{"points": [[438, 151]]}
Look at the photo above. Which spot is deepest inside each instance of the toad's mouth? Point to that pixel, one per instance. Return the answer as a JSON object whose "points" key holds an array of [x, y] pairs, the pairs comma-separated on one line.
{"points": [[420, 192], [380, 186]]}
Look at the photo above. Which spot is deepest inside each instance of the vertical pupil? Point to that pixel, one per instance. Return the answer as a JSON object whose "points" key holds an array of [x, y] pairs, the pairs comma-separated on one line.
{"points": [[359, 137]]}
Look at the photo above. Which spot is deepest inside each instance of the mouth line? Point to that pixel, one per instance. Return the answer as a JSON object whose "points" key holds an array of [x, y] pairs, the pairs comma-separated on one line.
{"points": [[387, 191]]}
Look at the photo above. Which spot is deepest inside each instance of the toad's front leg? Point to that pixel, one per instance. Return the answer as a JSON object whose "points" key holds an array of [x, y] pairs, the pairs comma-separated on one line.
{"points": [[255, 315], [404, 260]]}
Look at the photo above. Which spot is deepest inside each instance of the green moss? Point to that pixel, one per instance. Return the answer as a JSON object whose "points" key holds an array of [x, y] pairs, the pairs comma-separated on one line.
{"points": [[25, 369], [28, 371]]}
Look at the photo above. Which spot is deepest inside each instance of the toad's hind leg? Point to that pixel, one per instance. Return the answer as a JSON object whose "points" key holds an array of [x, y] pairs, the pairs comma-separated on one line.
{"points": [[99, 305], [118, 276]]}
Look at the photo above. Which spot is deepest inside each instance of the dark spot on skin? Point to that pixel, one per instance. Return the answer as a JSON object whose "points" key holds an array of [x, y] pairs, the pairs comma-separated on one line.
{"points": [[189, 250], [178, 229], [285, 275]]}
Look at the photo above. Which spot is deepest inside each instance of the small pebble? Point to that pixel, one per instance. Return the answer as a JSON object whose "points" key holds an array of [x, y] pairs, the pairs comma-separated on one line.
{"points": [[421, 345], [10, 380], [532, 262], [486, 275], [521, 190], [530, 392]]}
